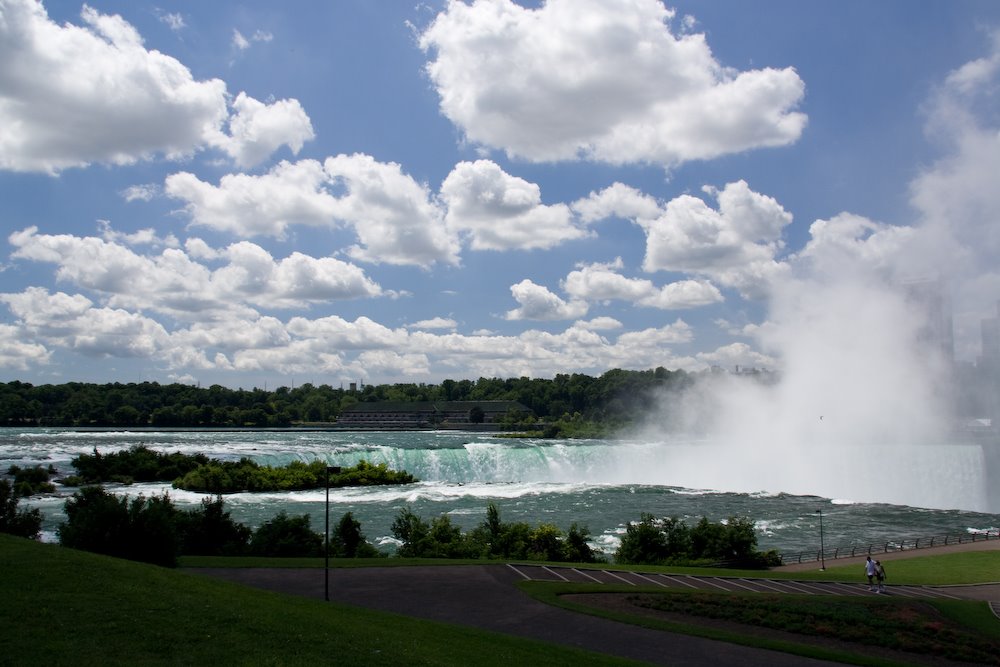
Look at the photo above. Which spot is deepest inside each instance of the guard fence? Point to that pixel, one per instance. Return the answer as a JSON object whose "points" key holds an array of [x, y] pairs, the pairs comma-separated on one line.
{"points": [[890, 546]]}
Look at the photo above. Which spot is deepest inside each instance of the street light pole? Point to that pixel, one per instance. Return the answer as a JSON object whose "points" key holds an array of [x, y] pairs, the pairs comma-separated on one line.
{"points": [[822, 546], [326, 542]]}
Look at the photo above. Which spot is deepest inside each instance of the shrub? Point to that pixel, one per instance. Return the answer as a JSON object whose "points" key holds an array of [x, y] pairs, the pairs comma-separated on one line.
{"points": [[412, 531], [246, 475], [30, 481], [643, 542], [143, 529], [139, 463], [656, 541], [211, 531], [286, 536], [348, 541], [23, 523]]}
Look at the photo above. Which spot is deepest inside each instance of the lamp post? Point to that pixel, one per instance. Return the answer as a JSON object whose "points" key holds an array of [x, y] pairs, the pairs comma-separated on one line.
{"points": [[822, 546], [326, 542]]}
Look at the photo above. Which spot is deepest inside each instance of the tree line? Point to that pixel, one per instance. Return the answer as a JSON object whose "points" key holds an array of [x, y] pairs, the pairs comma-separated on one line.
{"points": [[154, 530], [616, 397]]}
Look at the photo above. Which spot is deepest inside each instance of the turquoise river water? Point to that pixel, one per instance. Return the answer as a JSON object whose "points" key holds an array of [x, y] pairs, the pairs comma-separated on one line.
{"points": [[602, 484]]}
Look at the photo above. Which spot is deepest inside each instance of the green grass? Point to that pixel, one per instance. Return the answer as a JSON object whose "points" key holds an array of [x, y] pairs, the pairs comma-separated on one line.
{"points": [[66, 607], [959, 630], [968, 567], [63, 607]]}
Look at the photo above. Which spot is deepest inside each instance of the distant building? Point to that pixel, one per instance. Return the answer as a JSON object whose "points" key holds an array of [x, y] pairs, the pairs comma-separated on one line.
{"points": [[426, 414]]}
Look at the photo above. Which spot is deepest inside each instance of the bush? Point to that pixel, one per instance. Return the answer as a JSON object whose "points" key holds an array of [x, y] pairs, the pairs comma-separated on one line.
{"points": [[654, 541], [491, 539], [246, 475], [23, 523], [211, 531], [348, 541], [286, 536], [644, 542], [142, 529], [31, 481], [139, 463]]}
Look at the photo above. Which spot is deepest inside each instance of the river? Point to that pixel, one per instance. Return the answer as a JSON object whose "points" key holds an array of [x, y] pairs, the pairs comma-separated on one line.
{"points": [[600, 484]]}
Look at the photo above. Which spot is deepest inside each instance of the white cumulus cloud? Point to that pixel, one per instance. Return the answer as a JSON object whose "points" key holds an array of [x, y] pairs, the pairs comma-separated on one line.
{"points": [[601, 81], [735, 245], [538, 303], [72, 95], [503, 212]]}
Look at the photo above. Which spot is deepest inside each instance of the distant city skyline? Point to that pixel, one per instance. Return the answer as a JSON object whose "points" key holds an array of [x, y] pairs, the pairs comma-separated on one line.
{"points": [[244, 194]]}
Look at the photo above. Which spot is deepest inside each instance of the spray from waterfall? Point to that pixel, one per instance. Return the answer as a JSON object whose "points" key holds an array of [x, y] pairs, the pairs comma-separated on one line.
{"points": [[872, 328]]}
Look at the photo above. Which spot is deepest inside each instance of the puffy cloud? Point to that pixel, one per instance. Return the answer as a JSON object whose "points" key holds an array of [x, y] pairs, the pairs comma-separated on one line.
{"points": [[602, 81], [395, 218], [618, 201], [73, 95], [145, 192], [327, 345], [247, 205], [18, 355], [257, 130], [678, 332], [175, 283], [682, 294], [737, 354], [735, 245], [503, 212], [602, 282], [71, 322], [599, 324], [435, 323], [147, 236], [848, 243], [538, 303]]}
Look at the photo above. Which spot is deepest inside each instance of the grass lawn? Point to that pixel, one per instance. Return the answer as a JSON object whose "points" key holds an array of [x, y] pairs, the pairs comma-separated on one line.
{"points": [[62, 607], [66, 607], [969, 567], [958, 629]]}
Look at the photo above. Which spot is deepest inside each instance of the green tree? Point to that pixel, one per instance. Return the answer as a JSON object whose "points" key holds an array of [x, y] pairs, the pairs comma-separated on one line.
{"points": [[211, 531], [286, 536], [14, 521], [348, 541], [143, 529], [643, 543]]}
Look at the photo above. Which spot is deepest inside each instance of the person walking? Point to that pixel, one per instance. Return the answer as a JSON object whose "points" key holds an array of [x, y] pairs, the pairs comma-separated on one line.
{"points": [[880, 577], [870, 573]]}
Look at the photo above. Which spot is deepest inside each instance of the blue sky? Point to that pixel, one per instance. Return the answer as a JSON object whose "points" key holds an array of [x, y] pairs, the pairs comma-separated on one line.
{"points": [[247, 194]]}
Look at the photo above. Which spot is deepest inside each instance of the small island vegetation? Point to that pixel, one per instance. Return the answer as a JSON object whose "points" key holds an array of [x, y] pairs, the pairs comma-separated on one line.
{"points": [[199, 473]]}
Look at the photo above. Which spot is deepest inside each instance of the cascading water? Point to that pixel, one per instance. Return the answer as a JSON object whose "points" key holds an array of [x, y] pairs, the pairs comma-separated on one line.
{"points": [[602, 484]]}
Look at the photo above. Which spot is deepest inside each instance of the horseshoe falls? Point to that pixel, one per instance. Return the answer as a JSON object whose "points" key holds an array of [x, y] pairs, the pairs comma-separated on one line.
{"points": [[870, 494]]}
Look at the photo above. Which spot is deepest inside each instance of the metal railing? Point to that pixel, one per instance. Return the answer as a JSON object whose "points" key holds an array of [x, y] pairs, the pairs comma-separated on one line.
{"points": [[889, 546]]}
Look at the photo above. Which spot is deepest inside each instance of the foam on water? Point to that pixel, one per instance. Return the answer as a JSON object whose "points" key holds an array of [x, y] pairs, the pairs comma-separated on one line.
{"points": [[602, 484]]}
